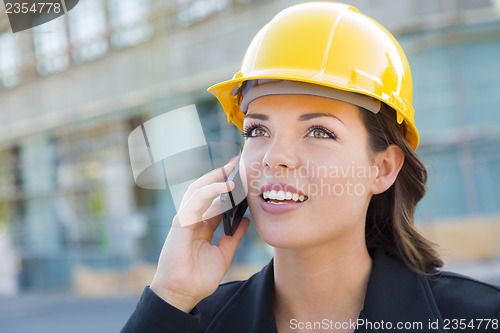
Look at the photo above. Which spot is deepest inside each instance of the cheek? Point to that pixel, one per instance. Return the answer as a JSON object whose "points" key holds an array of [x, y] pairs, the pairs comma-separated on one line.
{"points": [[340, 179], [253, 170]]}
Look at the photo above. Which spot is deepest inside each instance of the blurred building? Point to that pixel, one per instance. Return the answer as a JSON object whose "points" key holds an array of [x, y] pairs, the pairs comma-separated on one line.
{"points": [[72, 90]]}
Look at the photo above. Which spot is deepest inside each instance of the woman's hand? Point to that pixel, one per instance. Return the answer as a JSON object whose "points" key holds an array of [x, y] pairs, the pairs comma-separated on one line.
{"points": [[190, 268]]}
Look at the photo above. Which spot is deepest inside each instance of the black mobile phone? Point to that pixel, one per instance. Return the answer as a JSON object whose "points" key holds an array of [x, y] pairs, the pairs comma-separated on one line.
{"points": [[234, 203]]}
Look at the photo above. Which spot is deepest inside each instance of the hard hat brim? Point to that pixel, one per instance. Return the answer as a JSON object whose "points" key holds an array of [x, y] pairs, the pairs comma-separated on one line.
{"points": [[224, 92]]}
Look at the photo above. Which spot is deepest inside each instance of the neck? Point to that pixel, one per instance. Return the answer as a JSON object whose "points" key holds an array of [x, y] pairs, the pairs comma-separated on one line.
{"points": [[328, 281]]}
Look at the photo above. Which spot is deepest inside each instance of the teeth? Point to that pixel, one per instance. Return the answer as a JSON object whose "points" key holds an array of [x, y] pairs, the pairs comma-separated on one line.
{"points": [[282, 195]]}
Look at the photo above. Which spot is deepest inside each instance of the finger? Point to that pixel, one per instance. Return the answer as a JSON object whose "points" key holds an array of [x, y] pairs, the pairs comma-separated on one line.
{"points": [[177, 224], [213, 215], [216, 175], [228, 244], [199, 202]]}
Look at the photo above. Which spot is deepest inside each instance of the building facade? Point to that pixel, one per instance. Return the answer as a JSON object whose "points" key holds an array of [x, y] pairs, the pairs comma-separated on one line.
{"points": [[72, 90]]}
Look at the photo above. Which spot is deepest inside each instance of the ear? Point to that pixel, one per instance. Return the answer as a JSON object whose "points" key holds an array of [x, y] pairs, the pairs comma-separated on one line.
{"points": [[389, 163]]}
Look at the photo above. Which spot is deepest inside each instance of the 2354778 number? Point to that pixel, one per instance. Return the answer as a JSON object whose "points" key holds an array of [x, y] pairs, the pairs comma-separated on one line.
{"points": [[35, 8], [461, 324]]}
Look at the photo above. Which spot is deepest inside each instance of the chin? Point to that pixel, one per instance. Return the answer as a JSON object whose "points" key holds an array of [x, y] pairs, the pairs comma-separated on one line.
{"points": [[283, 234], [287, 234], [281, 241]]}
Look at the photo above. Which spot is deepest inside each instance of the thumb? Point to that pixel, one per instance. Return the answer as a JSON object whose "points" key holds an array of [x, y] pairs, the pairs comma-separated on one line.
{"points": [[228, 244]]}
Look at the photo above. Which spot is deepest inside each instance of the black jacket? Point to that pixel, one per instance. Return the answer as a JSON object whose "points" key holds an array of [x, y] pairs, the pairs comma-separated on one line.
{"points": [[395, 296]]}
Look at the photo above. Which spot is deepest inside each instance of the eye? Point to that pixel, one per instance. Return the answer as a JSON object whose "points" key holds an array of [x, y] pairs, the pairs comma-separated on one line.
{"points": [[254, 130], [320, 132]]}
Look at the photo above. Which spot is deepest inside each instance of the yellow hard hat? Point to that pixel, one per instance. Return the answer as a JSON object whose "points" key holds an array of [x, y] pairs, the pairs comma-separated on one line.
{"points": [[328, 44]]}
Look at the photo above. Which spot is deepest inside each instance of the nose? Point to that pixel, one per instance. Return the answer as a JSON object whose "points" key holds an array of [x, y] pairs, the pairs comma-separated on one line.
{"points": [[279, 155]]}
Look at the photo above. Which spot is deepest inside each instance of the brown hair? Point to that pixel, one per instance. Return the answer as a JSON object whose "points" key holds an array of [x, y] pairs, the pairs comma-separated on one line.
{"points": [[390, 216]]}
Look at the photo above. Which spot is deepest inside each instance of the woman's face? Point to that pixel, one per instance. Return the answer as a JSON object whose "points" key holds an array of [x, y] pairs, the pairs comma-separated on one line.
{"points": [[313, 147]]}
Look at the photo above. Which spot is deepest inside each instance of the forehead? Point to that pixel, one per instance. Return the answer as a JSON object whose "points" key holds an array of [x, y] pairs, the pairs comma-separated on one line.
{"points": [[275, 106]]}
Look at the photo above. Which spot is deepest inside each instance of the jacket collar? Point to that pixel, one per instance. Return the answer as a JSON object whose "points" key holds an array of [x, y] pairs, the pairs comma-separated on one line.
{"points": [[395, 294], [251, 308]]}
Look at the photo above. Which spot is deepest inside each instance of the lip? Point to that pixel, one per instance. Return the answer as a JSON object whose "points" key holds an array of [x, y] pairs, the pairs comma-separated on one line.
{"points": [[283, 207], [280, 186]]}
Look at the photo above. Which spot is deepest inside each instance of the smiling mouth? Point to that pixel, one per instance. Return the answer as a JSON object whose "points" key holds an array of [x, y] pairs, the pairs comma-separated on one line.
{"points": [[282, 197]]}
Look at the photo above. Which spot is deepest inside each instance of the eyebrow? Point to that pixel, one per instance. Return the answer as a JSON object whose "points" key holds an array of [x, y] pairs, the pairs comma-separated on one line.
{"points": [[302, 117], [256, 116], [307, 116]]}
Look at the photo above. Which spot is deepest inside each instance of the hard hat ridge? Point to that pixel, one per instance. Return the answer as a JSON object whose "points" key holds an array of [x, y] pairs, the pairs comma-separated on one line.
{"points": [[253, 89]]}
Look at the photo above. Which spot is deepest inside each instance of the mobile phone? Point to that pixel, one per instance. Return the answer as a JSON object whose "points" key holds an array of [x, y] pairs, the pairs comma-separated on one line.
{"points": [[234, 203]]}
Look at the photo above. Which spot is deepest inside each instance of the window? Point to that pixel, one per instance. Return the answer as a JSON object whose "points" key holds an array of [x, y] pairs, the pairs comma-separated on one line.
{"points": [[10, 60], [129, 21], [12, 210], [195, 11], [92, 196], [87, 27], [51, 46], [6, 172]]}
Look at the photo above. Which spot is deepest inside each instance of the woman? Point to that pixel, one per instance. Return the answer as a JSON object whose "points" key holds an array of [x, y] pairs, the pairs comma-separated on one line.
{"points": [[324, 100]]}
